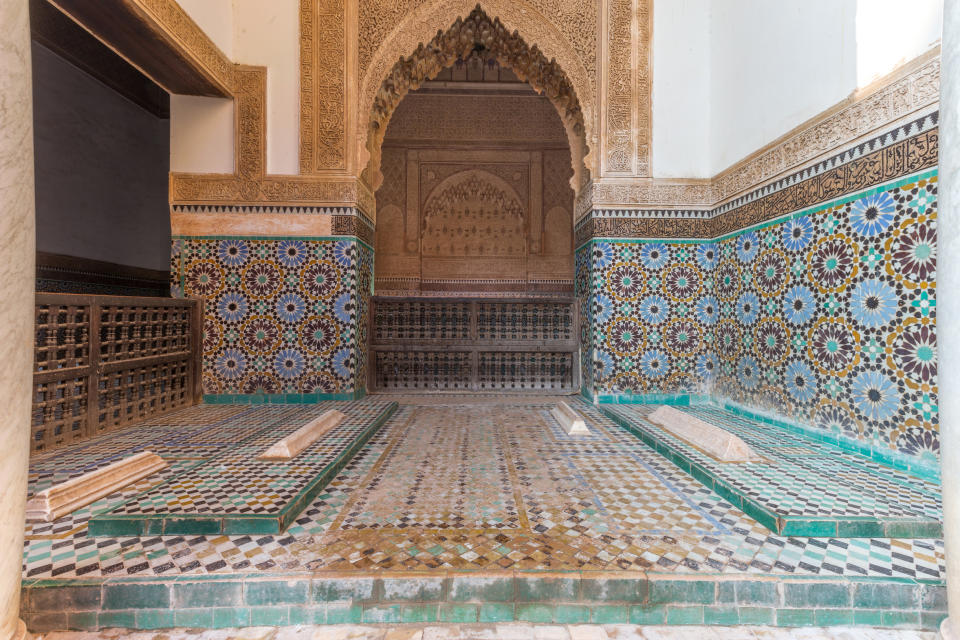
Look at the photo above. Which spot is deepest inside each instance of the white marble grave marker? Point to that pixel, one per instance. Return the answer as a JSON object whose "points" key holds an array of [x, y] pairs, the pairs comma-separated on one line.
{"points": [[303, 437], [570, 420], [709, 438], [66, 497]]}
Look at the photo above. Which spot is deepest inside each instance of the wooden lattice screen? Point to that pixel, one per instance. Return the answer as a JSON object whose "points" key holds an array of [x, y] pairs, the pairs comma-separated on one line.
{"points": [[102, 362], [483, 344]]}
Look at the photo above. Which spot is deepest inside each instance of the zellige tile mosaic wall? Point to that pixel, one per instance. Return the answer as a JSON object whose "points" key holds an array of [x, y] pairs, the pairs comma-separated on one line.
{"points": [[584, 289], [829, 317], [826, 316], [651, 314], [283, 315]]}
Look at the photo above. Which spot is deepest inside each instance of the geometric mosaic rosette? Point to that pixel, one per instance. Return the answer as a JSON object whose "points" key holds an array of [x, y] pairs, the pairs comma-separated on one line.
{"points": [[282, 316], [826, 316]]}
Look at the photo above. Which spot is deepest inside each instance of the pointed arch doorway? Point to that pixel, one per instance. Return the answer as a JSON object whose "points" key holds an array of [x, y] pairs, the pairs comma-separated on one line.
{"points": [[476, 171]]}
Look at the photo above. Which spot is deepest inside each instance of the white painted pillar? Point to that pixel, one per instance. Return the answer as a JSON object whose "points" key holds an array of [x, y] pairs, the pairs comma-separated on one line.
{"points": [[948, 306], [17, 283]]}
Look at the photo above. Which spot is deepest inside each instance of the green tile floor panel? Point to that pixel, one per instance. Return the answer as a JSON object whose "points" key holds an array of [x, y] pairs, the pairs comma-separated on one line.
{"points": [[184, 439], [219, 425], [235, 493], [801, 487], [923, 468], [641, 598]]}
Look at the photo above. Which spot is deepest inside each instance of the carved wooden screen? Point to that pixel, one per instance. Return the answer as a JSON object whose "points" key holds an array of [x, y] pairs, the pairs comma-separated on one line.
{"points": [[102, 362], [483, 344]]}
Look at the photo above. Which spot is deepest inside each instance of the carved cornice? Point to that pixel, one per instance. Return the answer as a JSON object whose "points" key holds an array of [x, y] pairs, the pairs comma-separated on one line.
{"points": [[190, 39], [628, 81], [609, 193], [909, 91], [263, 209], [643, 83], [905, 156], [212, 189], [250, 122], [158, 38], [905, 92], [353, 226], [250, 184]]}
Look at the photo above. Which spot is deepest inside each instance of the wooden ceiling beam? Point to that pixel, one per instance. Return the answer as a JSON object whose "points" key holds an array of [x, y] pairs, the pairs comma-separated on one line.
{"points": [[160, 40], [53, 30]]}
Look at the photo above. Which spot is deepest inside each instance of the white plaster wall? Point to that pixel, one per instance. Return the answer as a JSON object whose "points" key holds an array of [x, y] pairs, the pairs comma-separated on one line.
{"points": [[215, 17], [101, 167], [774, 66], [201, 134], [267, 34], [892, 32], [681, 89], [729, 77], [251, 32], [201, 129]]}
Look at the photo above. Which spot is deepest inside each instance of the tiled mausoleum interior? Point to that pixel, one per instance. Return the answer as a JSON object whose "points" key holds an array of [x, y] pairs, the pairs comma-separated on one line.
{"points": [[507, 516], [567, 312]]}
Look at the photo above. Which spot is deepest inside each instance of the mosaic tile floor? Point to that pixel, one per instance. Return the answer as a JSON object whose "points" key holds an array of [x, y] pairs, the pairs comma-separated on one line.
{"points": [[238, 493], [807, 483], [455, 483]]}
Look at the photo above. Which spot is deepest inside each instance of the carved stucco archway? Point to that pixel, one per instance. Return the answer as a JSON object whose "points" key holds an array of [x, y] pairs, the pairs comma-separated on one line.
{"points": [[545, 65]]}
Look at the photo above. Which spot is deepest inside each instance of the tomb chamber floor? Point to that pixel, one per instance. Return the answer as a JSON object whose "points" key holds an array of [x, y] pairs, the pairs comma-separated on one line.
{"points": [[799, 486], [462, 509]]}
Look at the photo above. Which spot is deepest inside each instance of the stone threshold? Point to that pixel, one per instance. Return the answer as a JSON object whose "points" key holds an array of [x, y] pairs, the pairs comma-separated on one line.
{"points": [[508, 631], [634, 597]]}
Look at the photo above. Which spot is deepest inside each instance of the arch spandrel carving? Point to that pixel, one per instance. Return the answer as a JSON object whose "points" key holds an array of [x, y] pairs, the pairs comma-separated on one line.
{"points": [[577, 20], [518, 21]]}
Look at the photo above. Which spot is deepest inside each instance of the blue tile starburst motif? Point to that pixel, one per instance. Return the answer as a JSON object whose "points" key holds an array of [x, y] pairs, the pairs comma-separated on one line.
{"points": [[854, 286], [275, 310]]}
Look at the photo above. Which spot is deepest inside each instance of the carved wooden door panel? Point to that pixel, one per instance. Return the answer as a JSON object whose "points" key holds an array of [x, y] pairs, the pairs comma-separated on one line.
{"points": [[481, 344]]}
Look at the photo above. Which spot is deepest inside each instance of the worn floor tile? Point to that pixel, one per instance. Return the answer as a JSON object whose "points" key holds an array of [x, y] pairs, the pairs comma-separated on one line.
{"points": [[457, 483]]}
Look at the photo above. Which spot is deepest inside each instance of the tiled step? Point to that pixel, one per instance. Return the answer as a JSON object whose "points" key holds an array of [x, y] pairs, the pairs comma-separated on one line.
{"points": [[517, 631], [621, 597], [802, 487], [237, 493]]}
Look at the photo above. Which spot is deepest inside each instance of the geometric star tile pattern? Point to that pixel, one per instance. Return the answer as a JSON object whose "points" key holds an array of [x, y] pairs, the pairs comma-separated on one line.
{"points": [[282, 315], [604, 502], [826, 316], [237, 482]]}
